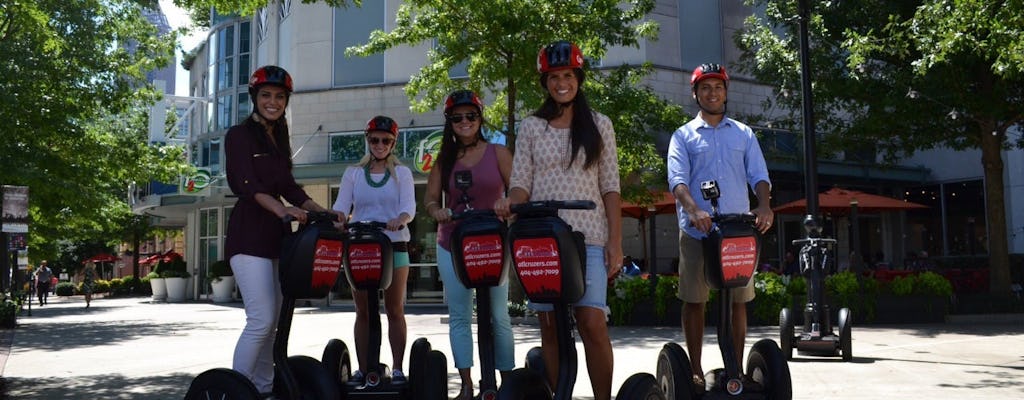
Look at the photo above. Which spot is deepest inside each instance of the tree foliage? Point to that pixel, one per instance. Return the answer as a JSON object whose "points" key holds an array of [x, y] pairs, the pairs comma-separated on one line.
{"points": [[899, 77], [75, 109]]}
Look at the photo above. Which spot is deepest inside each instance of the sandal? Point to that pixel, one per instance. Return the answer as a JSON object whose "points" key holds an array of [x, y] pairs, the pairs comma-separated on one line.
{"points": [[699, 384]]}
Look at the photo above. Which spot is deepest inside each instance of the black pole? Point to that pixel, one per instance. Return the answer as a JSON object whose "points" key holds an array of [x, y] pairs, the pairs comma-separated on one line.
{"points": [[810, 153]]}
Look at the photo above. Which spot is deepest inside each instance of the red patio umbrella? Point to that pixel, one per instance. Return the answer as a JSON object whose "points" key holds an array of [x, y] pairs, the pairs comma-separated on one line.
{"points": [[151, 259], [664, 203], [837, 201]]}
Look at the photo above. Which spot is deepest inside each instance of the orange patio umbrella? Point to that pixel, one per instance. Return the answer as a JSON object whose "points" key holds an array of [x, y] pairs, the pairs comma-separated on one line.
{"points": [[838, 201]]}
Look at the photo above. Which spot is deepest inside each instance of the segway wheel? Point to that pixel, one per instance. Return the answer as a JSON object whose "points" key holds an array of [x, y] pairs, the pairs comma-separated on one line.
{"points": [[418, 354], [641, 386], [337, 362], [523, 384], [845, 330], [767, 366], [221, 383], [313, 379], [786, 335], [535, 360], [433, 377], [675, 377]]}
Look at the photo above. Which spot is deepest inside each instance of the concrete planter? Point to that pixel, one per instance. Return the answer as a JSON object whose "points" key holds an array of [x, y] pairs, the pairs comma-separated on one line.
{"points": [[223, 289], [159, 287], [177, 289]]}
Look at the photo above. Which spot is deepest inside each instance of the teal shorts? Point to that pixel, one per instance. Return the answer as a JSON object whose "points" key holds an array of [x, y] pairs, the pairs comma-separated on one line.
{"points": [[401, 254]]}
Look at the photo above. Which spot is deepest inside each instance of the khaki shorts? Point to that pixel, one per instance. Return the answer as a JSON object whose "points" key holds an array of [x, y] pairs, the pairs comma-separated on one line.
{"points": [[693, 288]]}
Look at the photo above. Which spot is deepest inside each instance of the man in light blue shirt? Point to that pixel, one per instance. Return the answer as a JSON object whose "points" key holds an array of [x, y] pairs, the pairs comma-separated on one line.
{"points": [[713, 147]]}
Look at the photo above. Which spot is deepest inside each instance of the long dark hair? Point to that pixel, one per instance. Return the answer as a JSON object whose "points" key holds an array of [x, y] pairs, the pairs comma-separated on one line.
{"points": [[452, 148], [280, 132], [583, 130]]}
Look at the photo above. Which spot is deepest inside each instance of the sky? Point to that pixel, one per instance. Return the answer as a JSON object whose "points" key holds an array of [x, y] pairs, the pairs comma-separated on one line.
{"points": [[177, 18]]}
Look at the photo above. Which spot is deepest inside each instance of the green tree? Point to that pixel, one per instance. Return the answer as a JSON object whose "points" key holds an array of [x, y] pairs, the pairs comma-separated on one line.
{"points": [[74, 105], [899, 77]]}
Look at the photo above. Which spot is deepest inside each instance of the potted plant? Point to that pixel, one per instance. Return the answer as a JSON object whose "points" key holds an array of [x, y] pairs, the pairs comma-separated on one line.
{"points": [[157, 282], [222, 279], [176, 276]]}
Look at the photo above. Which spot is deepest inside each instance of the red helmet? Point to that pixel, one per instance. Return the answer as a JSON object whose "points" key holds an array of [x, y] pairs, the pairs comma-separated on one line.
{"points": [[382, 123], [270, 75], [463, 98], [558, 56], [705, 71]]}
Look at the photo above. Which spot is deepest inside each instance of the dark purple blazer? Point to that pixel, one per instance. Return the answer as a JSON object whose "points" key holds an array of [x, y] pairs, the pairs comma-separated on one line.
{"points": [[255, 166]]}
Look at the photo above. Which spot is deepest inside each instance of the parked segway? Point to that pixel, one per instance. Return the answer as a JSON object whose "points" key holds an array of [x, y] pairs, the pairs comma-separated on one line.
{"points": [[480, 260], [549, 258], [309, 266], [731, 251], [817, 338], [368, 266]]}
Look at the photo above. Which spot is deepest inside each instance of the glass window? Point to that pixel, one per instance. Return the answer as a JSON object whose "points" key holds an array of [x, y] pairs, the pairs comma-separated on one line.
{"points": [[700, 32], [244, 107], [347, 147], [224, 115], [226, 42], [409, 141], [244, 37], [351, 27], [214, 151], [244, 70]]}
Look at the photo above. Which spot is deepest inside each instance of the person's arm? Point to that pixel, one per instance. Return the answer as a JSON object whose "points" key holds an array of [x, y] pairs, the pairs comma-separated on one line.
{"points": [[406, 199], [432, 197], [679, 182], [504, 163], [521, 177], [757, 175], [609, 187]]}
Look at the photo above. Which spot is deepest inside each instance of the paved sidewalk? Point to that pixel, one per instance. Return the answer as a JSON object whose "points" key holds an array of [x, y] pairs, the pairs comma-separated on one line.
{"points": [[129, 348]]}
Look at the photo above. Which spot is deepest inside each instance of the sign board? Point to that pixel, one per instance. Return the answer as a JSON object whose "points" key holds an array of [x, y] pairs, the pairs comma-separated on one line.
{"points": [[15, 209], [194, 183], [16, 241], [426, 153]]}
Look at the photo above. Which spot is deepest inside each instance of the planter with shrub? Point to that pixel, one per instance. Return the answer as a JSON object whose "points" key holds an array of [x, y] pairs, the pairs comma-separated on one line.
{"points": [[222, 280], [175, 274]]}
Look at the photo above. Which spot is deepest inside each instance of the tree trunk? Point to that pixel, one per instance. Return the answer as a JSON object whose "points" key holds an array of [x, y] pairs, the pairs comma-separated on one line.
{"points": [[995, 204]]}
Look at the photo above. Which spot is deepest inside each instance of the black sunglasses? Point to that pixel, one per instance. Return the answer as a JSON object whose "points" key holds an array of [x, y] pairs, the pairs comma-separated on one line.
{"points": [[377, 140], [457, 118]]}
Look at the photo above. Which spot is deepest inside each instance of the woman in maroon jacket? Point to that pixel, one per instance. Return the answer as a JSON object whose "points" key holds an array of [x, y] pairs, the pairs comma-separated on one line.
{"points": [[259, 171]]}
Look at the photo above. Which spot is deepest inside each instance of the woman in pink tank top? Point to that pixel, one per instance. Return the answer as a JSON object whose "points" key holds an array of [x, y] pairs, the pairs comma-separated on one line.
{"points": [[465, 150]]}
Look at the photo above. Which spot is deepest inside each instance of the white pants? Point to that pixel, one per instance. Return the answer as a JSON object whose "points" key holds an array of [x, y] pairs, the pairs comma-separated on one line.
{"points": [[261, 294]]}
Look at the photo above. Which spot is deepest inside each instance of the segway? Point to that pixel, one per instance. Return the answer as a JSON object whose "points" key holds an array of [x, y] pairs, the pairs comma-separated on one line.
{"points": [[731, 250], [309, 266], [369, 265], [818, 337], [549, 258], [480, 260]]}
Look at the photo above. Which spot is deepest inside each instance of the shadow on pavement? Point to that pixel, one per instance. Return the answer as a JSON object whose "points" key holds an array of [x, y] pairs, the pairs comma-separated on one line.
{"points": [[75, 335], [114, 387]]}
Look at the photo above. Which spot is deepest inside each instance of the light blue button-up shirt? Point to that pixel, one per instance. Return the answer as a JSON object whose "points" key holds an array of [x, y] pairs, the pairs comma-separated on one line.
{"points": [[728, 153]]}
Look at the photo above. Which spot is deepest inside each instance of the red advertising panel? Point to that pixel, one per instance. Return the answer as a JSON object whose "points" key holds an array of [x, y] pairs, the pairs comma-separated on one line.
{"points": [[482, 256], [739, 257], [326, 263], [366, 262], [537, 263]]}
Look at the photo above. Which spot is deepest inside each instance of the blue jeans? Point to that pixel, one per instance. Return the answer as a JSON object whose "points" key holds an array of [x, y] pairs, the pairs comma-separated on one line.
{"points": [[460, 313], [596, 281]]}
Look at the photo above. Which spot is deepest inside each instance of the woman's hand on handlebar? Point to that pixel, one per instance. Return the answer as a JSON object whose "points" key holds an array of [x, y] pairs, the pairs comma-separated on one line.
{"points": [[503, 207], [442, 215], [396, 224], [296, 213]]}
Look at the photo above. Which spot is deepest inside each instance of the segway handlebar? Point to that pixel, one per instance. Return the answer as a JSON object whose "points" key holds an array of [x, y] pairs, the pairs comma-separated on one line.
{"points": [[539, 205], [313, 217], [733, 218], [467, 214]]}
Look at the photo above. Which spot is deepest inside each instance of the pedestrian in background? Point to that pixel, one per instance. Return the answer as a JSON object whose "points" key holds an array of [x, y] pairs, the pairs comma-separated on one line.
{"points": [[43, 275], [566, 151], [464, 149], [258, 164], [713, 147], [88, 279], [379, 188]]}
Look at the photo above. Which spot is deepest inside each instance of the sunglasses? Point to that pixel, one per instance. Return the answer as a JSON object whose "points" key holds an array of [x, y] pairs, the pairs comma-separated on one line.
{"points": [[377, 140], [457, 118]]}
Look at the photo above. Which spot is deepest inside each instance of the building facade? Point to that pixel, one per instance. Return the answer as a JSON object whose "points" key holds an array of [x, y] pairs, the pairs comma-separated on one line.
{"points": [[335, 95]]}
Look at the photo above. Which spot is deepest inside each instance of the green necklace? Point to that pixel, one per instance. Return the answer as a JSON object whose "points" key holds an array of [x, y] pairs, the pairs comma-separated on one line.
{"points": [[369, 180]]}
